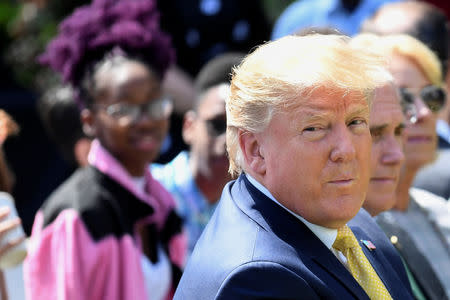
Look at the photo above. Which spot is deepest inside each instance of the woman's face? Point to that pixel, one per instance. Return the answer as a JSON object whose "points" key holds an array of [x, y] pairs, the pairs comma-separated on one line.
{"points": [[420, 136], [133, 136]]}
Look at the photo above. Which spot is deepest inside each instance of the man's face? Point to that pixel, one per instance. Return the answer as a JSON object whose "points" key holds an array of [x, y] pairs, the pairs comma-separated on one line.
{"points": [[204, 131], [386, 127], [317, 157]]}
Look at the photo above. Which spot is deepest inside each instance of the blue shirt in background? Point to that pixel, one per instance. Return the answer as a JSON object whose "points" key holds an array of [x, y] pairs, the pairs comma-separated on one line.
{"points": [[192, 206], [324, 13]]}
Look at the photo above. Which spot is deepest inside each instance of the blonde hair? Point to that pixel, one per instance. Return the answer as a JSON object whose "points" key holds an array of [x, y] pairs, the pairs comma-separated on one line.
{"points": [[406, 46], [284, 72]]}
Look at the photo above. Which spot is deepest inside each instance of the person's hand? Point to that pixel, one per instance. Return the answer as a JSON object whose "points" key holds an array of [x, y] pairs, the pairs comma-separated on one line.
{"points": [[5, 227], [7, 126]]}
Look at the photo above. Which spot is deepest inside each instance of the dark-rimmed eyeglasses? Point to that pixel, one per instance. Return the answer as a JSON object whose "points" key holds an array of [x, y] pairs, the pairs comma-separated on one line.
{"points": [[158, 109], [433, 96], [216, 126]]}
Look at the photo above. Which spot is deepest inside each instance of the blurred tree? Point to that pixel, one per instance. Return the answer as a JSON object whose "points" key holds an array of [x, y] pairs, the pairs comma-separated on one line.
{"points": [[274, 8], [8, 12], [27, 26]]}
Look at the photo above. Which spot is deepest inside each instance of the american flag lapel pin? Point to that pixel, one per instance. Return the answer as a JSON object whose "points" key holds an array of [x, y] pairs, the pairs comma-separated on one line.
{"points": [[369, 245]]}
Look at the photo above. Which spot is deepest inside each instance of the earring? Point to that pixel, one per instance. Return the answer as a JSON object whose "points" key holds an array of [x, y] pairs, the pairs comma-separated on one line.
{"points": [[88, 130]]}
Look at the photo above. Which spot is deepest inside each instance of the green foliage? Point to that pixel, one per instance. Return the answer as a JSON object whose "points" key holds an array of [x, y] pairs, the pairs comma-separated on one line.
{"points": [[25, 31], [274, 8], [8, 12]]}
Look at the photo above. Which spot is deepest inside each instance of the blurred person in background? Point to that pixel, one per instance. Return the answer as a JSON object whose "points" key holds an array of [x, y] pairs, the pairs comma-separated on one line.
{"points": [[417, 224], [386, 127], [25, 27], [60, 115], [419, 19], [428, 24], [111, 231], [344, 15], [8, 127], [201, 30], [426, 178], [196, 177]]}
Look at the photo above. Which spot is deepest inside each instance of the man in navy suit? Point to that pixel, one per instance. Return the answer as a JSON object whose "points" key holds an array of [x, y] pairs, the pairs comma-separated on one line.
{"points": [[298, 137]]}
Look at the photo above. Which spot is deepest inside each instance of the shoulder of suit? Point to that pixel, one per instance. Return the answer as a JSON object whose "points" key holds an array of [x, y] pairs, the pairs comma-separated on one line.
{"points": [[430, 202]]}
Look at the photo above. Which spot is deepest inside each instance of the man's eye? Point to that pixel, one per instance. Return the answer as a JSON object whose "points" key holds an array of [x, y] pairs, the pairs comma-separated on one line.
{"points": [[358, 122], [314, 133], [375, 133], [311, 129]]}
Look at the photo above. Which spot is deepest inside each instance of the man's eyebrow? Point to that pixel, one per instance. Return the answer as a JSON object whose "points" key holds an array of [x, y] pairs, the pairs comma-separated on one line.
{"points": [[378, 127], [317, 116], [360, 111]]}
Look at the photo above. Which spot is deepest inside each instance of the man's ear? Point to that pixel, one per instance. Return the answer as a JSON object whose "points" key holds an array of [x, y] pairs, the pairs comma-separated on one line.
{"points": [[189, 127], [87, 121], [251, 151]]}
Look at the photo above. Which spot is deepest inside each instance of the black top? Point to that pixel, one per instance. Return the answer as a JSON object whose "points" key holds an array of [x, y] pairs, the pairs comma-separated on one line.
{"points": [[202, 29]]}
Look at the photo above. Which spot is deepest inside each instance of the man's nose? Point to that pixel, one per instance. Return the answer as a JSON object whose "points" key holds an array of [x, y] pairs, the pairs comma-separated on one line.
{"points": [[343, 149], [393, 151]]}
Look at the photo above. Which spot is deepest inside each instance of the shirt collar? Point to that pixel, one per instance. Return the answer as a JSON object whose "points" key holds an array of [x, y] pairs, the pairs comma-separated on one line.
{"points": [[154, 194], [101, 159], [326, 235]]}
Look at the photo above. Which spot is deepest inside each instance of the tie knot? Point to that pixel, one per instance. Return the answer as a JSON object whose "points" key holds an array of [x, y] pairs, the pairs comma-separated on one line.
{"points": [[345, 239]]}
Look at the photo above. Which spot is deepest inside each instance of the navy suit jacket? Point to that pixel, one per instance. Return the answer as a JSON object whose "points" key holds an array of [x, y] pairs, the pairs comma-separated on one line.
{"points": [[254, 249]]}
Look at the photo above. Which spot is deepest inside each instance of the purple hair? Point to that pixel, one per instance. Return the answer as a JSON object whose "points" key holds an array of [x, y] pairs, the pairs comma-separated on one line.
{"points": [[94, 30]]}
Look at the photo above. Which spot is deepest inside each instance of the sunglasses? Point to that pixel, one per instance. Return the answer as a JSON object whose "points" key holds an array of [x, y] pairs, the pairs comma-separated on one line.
{"points": [[130, 113], [433, 96], [216, 126]]}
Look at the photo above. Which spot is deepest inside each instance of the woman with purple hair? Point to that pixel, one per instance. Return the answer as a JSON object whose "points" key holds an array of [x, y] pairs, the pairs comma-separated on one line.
{"points": [[110, 231]]}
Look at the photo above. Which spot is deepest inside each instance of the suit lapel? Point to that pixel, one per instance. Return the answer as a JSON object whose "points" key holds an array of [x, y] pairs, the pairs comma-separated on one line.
{"points": [[276, 219], [333, 266], [380, 264]]}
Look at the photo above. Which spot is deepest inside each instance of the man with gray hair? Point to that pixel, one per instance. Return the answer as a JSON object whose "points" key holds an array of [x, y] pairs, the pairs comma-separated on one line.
{"points": [[298, 137], [429, 24]]}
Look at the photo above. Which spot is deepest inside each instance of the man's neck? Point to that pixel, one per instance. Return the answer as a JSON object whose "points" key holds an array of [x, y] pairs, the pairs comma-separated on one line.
{"points": [[211, 188], [210, 185], [326, 235], [405, 182]]}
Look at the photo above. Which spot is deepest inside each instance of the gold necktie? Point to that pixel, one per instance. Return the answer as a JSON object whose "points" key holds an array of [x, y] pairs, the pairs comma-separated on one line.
{"points": [[358, 264]]}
